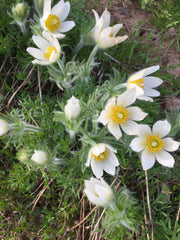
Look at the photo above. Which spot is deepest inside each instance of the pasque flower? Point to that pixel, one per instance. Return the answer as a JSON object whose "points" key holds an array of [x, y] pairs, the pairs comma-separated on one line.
{"points": [[53, 19], [4, 127], [101, 157], [117, 113], [40, 157], [144, 84], [104, 35], [72, 109], [154, 145], [98, 192], [49, 49]]}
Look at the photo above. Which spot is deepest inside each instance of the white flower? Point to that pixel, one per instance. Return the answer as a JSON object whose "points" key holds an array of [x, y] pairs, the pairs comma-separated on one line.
{"points": [[53, 19], [154, 145], [49, 49], [98, 192], [40, 157], [72, 109], [4, 127], [117, 113], [104, 35], [144, 84], [101, 157]]}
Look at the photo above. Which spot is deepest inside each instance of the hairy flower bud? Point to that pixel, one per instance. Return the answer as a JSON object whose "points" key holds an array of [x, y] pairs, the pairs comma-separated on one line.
{"points": [[20, 12], [4, 127], [72, 109], [40, 157]]}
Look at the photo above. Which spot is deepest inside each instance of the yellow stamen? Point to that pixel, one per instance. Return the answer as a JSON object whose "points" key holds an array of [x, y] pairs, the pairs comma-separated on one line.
{"points": [[52, 23], [119, 114], [49, 51], [101, 157], [139, 82], [154, 143]]}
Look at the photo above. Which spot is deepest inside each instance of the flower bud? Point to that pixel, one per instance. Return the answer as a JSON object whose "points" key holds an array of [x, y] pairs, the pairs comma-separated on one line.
{"points": [[98, 192], [20, 12], [40, 157], [4, 127], [23, 155], [72, 109]]}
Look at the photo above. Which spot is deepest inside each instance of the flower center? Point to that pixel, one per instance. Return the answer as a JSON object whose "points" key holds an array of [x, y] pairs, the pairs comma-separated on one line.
{"points": [[139, 82], [52, 23], [154, 143], [101, 157], [119, 114], [48, 52]]}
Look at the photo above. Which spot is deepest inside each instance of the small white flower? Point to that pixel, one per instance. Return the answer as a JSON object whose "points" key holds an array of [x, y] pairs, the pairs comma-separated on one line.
{"points": [[4, 127], [40, 157], [144, 84], [49, 49], [101, 157], [98, 192], [104, 35], [154, 146], [72, 109], [52, 20], [117, 113]]}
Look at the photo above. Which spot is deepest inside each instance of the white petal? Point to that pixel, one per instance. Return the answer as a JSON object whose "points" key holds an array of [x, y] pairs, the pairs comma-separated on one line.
{"points": [[114, 129], [116, 28], [36, 61], [145, 98], [47, 8], [59, 35], [97, 168], [127, 98], [98, 29], [137, 144], [165, 159], [170, 144], [106, 18], [139, 90], [98, 149], [120, 39], [93, 198], [96, 15], [112, 158], [135, 113], [136, 75], [130, 127], [151, 92], [61, 10], [66, 26], [40, 42], [147, 160], [144, 130], [152, 82], [36, 53], [109, 147], [111, 102], [161, 128], [150, 70], [103, 118], [108, 167], [88, 159]]}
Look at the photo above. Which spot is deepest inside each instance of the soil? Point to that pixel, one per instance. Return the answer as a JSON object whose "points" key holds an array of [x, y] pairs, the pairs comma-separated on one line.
{"points": [[129, 13]]}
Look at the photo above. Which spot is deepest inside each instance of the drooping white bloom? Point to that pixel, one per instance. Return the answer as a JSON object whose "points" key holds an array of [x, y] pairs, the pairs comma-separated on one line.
{"points": [[40, 157], [144, 84], [4, 127], [103, 34], [98, 192], [101, 157], [72, 109], [49, 49], [117, 114], [52, 20], [154, 145]]}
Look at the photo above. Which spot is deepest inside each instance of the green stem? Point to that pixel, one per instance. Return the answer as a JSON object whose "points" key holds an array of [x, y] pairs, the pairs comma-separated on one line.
{"points": [[92, 55], [61, 66]]}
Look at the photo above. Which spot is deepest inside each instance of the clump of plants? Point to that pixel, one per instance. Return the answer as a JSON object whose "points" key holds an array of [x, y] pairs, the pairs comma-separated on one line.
{"points": [[97, 138]]}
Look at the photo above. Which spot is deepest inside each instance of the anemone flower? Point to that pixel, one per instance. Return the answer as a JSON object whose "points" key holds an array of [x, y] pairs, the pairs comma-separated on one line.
{"points": [[154, 145], [144, 84], [117, 114], [49, 49], [52, 20], [98, 192], [104, 35], [101, 157]]}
